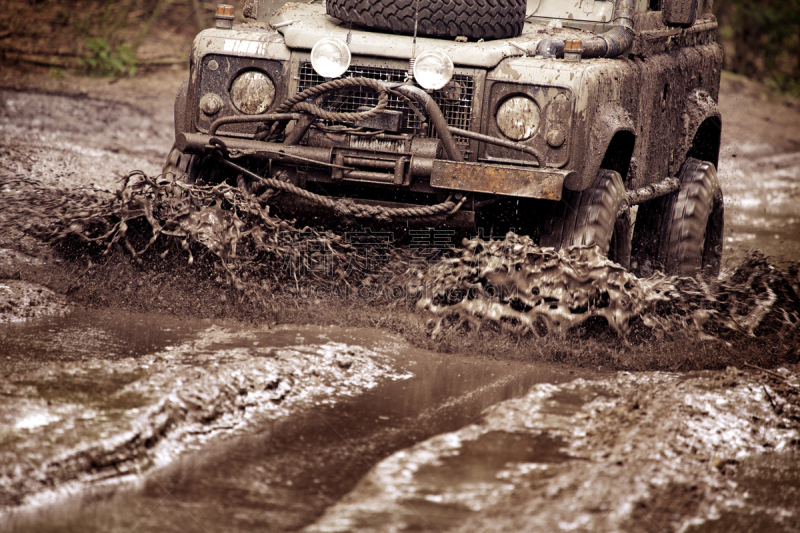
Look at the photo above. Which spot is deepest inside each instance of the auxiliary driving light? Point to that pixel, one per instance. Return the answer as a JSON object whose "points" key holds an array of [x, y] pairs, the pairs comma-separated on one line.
{"points": [[252, 92], [330, 57], [433, 69], [518, 118]]}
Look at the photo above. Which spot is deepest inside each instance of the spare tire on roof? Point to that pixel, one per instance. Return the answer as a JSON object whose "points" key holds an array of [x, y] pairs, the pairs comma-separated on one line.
{"points": [[474, 19]]}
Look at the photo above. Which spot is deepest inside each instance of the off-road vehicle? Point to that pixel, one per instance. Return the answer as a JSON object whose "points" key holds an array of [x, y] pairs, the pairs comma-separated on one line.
{"points": [[552, 117]]}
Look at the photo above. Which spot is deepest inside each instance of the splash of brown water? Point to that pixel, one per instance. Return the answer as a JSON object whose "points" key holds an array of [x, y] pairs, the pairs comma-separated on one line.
{"points": [[231, 224], [512, 282], [524, 287]]}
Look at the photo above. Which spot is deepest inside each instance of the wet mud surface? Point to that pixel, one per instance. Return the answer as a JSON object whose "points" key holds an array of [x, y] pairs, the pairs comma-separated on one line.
{"points": [[759, 170], [589, 455], [281, 472], [50, 138], [156, 393], [104, 416]]}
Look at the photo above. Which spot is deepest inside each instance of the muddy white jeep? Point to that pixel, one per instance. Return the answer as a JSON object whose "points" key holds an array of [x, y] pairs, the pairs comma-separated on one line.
{"points": [[551, 117]]}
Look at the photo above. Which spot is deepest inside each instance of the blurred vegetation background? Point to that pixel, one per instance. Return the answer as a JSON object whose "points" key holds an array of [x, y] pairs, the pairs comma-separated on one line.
{"points": [[103, 37], [116, 38], [761, 39]]}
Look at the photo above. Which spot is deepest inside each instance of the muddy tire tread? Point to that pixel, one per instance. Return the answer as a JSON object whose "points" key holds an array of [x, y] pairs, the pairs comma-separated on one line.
{"points": [[183, 166], [692, 238], [589, 217], [474, 19]]}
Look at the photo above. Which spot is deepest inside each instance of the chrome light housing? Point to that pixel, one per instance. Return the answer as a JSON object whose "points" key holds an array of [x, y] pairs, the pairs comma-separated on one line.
{"points": [[518, 117], [252, 92], [433, 69], [330, 57]]}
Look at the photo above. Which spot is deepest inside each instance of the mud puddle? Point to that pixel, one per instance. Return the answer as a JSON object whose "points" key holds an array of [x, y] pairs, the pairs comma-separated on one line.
{"points": [[89, 334], [293, 457], [88, 400]]}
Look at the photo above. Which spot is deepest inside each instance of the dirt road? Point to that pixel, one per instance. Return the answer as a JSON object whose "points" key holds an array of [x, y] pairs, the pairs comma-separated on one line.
{"points": [[137, 397]]}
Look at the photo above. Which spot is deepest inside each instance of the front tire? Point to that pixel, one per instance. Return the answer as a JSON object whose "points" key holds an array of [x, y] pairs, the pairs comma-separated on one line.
{"points": [[590, 217], [694, 233], [195, 169], [183, 167]]}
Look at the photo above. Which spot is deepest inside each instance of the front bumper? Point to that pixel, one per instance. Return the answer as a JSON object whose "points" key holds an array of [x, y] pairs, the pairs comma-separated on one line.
{"points": [[408, 170]]}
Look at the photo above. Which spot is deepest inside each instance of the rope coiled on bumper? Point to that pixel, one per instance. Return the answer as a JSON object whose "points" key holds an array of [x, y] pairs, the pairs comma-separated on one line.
{"points": [[348, 207], [298, 102]]}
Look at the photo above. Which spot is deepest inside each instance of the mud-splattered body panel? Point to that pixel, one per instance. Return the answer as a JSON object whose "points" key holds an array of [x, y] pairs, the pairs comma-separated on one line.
{"points": [[651, 95]]}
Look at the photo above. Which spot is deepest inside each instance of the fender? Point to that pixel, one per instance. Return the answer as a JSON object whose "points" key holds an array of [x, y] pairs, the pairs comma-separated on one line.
{"points": [[181, 113], [700, 137], [609, 120]]}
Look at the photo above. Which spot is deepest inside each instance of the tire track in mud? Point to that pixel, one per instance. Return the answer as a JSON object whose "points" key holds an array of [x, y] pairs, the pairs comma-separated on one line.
{"points": [[644, 452], [79, 424]]}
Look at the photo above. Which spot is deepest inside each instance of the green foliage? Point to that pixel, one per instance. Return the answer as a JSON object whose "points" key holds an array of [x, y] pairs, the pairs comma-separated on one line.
{"points": [[762, 40], [107, 60]]}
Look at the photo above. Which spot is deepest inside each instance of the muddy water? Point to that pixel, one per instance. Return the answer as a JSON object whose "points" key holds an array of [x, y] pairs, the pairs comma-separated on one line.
{"points": [[87, 334], [283, 472]]}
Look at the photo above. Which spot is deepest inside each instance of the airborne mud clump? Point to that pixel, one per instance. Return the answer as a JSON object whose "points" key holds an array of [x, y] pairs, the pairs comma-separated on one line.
{"points": [[221, 246], [515, 283], [555, 290]]}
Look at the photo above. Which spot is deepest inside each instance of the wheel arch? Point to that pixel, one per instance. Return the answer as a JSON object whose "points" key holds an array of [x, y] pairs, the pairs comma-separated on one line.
{"points": [[702, 129], [706, 141], [619, 153], [611, 143], [181, 114]]}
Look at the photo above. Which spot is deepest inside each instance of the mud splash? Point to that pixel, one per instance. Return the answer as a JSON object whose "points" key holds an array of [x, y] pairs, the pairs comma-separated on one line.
{"points": [[508, 285], [222, 220], [525, 288]]}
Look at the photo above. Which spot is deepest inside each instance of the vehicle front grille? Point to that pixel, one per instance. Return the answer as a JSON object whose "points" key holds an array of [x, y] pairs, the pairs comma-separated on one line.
{"points": [[455, 99]]}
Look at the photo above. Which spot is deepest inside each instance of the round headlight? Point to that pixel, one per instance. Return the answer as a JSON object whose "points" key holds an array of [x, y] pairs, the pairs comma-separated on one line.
{"points": [[433, 69], [518, 118], [252, 92], [330, 57]]}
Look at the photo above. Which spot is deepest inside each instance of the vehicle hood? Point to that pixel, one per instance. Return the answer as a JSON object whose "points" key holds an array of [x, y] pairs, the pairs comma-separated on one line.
{"points": [[308, 23]]}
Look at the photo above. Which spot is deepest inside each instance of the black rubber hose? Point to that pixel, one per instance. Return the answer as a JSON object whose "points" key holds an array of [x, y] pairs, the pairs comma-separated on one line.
{"points": [[613, 43], [437, 118]]}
